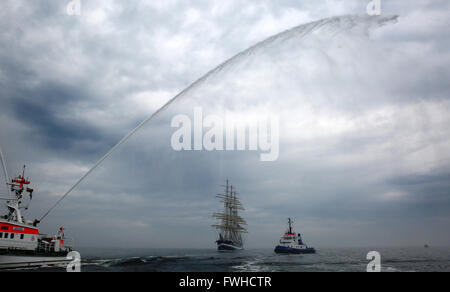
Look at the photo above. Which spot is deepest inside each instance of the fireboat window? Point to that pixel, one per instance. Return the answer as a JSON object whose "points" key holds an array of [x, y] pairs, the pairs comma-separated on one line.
{"points": [[1, 234], [4, 228], [21, 236], [12, 236], [6, 235]]}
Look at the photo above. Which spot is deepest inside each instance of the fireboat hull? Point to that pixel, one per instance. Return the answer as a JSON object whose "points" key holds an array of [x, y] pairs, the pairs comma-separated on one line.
{"points": [[12, 262]]}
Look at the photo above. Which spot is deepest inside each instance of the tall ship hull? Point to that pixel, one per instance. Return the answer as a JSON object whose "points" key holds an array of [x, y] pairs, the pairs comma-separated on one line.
{"points": [[231, 225], [223, 245]]}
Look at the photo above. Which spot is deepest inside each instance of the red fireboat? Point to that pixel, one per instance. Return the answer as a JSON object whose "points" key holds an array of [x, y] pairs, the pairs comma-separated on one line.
{"points": [[22, 246]]}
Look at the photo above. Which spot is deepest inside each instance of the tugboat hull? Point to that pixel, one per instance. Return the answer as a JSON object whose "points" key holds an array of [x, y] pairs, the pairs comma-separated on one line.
{"points": [[290, 250]]}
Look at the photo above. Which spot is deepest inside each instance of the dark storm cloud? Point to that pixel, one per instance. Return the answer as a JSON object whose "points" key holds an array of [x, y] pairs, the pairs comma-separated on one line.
{"points": [[43, 109], [49, 124], [420, 179], [428, 193]]}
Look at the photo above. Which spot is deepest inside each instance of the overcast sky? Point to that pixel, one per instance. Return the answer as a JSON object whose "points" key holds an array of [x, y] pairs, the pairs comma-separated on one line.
{"points": [[363, 104]]}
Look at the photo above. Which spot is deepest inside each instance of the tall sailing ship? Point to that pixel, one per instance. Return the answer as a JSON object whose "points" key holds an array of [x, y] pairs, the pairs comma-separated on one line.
{"points": [[231, 225]]}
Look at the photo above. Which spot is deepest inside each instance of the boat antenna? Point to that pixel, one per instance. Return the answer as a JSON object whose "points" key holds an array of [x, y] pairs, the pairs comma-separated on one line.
{"points": [[290, 226], [2, 158]]}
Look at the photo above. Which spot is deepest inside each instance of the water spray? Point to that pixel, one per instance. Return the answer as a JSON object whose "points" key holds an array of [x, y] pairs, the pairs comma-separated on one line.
{"points": [[299, 32]]}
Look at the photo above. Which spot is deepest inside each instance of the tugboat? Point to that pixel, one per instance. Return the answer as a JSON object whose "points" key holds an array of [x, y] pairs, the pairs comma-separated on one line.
{"points": [[290, 243], [231, 224], [21, 244]]}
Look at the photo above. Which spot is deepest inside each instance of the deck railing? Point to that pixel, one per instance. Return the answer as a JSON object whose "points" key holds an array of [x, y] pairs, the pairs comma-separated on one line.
{"points": [[45, 246]]}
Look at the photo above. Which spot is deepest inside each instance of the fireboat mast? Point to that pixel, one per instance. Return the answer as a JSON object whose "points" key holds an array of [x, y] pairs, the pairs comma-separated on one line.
{"points": [[22, 246], [15, 188], [5, 172]]}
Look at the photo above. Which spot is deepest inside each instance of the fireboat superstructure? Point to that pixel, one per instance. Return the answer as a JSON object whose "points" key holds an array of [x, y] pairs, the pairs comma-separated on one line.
{"points": [[291, 243], [231, 224], [21, 244]]}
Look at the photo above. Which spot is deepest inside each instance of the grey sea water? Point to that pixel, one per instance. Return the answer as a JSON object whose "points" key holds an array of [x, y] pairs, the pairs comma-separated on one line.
{"points": [[262, 260]]}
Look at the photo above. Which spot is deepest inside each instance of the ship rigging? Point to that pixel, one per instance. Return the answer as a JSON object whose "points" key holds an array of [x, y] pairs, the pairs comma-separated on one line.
{"points": [[231, 225]]}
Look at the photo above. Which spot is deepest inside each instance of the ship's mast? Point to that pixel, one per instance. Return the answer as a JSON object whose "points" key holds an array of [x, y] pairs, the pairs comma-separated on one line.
{"points": [[290, 226], [16, 188], [225, 222], [5, 173], [11, 203]]}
